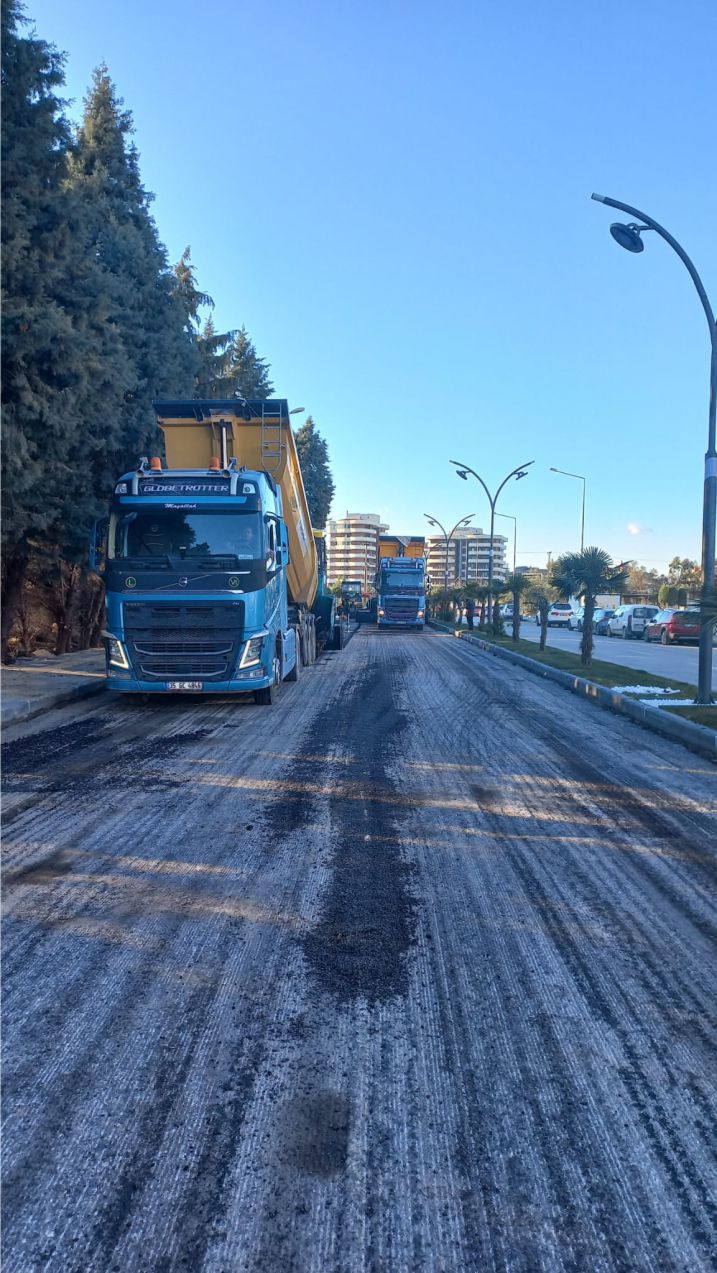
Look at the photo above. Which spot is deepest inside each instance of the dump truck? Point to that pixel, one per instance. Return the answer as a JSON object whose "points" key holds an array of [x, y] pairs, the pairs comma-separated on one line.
{"points": [[213, 573]]}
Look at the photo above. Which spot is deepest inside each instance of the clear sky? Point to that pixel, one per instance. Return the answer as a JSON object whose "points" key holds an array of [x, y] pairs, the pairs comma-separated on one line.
{"points": [[394, 198]]}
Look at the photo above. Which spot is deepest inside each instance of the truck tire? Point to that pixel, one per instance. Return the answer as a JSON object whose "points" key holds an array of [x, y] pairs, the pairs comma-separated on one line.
{"points": [[264, 697], [338, 641], [295, 672]]}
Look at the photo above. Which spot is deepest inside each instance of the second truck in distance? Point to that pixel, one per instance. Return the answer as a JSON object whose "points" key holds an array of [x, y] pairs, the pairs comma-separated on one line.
{"points": [[401, 592]]}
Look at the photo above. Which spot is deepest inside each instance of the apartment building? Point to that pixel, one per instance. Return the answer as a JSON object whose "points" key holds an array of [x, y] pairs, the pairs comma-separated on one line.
{"points": [[352, 547], [468, 555]]}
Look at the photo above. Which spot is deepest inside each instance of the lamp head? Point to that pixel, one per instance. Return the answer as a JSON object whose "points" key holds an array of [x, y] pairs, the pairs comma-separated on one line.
{"points": [[462, 473], [628, 236]]}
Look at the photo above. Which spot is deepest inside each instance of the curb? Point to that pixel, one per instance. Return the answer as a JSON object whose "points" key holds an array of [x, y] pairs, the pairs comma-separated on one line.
{"points": [[18, 710], [697, 737]]}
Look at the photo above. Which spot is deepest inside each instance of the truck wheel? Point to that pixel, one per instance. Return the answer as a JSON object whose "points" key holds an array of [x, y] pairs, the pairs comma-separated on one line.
{"points": [[264, 697], [312, 644], [295, 672]]}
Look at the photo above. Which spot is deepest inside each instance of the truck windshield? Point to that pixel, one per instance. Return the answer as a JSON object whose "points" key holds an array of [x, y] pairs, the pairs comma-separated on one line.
{"points": [[402, 580], [164, 538]]}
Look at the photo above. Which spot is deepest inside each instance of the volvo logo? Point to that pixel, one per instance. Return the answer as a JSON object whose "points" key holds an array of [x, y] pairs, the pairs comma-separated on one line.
{"points": [[183, 581], [130, 582]]}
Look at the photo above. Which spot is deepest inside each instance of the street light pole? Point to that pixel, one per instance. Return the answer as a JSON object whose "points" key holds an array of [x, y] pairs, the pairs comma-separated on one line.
{"points": [[628, 236], [463, 471], [514, 520], [433, 521], [582, 516]]}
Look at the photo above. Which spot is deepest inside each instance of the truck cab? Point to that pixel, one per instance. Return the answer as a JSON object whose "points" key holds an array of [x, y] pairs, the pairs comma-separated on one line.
{"points": [[194, 582], [401, 592]]}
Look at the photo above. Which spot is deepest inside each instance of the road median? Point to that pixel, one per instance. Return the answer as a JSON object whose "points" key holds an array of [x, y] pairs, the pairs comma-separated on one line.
{"points": [[698, 737]]}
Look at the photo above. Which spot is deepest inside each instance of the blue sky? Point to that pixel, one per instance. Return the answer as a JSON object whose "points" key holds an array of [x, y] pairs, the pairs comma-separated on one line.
{"points": [[395, 199]]}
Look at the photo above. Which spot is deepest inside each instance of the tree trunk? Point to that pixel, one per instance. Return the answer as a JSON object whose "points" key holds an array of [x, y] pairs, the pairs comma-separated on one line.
{"points": [[516, 616], [543, 626], [586, 645], [71, 609], [14, 569], [497, 625], [95, 620], [470, 611], [482, 614]]}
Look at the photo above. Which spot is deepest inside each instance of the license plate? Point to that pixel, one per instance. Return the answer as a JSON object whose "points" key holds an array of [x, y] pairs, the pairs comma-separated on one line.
{"points": [[185, 686]]}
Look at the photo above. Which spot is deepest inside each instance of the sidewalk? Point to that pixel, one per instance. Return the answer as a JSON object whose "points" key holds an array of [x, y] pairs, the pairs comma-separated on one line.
{"points": [[33, 686]]}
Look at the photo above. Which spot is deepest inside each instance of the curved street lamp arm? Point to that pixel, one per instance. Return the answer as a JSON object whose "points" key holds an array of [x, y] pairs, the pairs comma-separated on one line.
{"points": [[665, 234], [468, 469], [436, 522], [507, 479]]}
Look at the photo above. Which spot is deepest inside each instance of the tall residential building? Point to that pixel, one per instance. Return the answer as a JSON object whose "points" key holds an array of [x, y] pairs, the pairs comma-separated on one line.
{"points": [[468, 555], [352, 547]]}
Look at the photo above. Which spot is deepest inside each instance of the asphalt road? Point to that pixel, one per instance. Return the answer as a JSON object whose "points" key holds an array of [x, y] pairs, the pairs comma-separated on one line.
{"points": [[412, 971], [679, 661]]}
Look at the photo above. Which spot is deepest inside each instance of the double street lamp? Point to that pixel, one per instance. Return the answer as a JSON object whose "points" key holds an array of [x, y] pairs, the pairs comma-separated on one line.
{"points": [[582, 515], [433, 521], [463, 471], [630, 237]]}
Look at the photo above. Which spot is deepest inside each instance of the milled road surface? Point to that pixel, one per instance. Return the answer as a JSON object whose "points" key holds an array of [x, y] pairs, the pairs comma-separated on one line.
{"points": [[412, 971]]}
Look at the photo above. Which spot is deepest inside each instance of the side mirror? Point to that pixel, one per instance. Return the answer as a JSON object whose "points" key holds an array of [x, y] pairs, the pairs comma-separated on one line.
{"points": [[98, 545]]}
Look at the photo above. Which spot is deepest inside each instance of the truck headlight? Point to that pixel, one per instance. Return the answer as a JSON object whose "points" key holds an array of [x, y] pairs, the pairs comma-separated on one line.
{"points": [[382, 612], [116, 656], [420, 614], [251, 654]]}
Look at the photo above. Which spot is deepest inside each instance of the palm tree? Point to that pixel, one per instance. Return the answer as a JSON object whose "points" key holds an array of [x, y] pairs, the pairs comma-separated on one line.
{"points": [[517, 586], [585, 575]]}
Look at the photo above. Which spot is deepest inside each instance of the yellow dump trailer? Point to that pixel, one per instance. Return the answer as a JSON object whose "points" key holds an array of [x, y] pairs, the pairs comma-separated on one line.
{"points": [[260, 436]]}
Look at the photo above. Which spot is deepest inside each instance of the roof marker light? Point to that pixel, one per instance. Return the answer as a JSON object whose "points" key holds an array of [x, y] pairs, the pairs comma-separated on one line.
{"points": [[155, 464], [214, 464]]}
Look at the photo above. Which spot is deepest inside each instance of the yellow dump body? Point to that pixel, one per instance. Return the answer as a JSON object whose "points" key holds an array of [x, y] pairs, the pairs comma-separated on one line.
{"points": [[260, 436]]}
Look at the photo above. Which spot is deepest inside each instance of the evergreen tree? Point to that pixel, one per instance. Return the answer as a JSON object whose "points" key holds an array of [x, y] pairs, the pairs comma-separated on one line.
{"points": [[213, 379], [53, 313], [316, 472], [147, 309], [248, 374]]}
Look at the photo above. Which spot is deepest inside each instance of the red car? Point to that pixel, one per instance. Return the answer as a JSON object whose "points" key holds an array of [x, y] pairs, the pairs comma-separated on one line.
{"points": [[673, 626]]}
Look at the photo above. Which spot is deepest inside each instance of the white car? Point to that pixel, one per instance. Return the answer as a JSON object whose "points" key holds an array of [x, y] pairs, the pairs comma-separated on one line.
{"points": [[575, 622], [630, 621], [558, 615]]}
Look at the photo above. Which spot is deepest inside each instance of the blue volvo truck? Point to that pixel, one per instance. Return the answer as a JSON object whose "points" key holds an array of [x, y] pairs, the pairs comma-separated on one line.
{"points": [[401, 592], [212, 570]]}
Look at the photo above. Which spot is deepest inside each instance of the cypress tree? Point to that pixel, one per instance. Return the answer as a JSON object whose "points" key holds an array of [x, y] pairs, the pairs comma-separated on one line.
{"points": [[147, 310], [50, 302], [246, 372], [316, 472]]}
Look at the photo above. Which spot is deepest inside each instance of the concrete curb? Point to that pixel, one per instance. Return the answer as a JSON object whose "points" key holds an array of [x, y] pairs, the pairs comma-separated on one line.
{"points": [[697, 737], [16, 710]]}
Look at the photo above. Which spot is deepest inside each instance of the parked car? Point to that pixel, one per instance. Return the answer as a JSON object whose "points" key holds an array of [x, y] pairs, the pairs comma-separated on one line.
{"points": [[629, 621], [575, 619], [558, 615], [601, 618], [673, 626]]}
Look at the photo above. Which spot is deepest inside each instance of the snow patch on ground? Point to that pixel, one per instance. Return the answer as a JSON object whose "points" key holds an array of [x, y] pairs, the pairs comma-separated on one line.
{"points": [[652, 690], [674, 702]]}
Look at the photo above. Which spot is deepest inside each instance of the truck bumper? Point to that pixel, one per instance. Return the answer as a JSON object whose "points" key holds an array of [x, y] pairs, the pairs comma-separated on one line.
{"points": [[130, 685], [400, 623]]}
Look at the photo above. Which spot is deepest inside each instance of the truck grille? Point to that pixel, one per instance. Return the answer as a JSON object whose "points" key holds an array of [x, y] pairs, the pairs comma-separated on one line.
{"points": [[184, 642], [401, 610]]}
